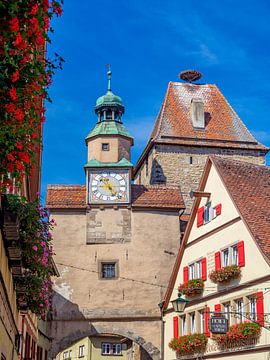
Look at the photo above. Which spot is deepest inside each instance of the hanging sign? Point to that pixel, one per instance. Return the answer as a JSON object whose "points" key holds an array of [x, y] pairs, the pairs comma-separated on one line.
{"points": [[218, 325]]}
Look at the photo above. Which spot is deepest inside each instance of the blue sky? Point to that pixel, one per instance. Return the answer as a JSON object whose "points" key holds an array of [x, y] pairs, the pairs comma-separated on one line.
{"points": [[147, 44]]}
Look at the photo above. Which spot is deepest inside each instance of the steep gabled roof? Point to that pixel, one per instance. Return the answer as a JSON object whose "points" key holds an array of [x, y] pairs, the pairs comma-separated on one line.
{"points": [[249, 188], [223, 125], [74, 197]]}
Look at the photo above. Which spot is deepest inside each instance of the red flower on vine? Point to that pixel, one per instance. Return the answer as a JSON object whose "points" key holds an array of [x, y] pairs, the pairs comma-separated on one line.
{"points": [[14, 24], [18, 114], [57, 8], [19, 42], [34, 24], [34, 9], [15, 76], [13, 93], [10, 108]]}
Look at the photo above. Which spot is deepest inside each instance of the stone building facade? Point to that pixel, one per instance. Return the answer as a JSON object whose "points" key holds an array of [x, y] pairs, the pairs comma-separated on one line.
{"points": [[113, 241], [195, 121]]}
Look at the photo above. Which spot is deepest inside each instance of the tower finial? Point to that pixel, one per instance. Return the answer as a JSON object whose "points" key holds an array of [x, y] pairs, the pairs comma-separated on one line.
{"points": [[109, 73]]}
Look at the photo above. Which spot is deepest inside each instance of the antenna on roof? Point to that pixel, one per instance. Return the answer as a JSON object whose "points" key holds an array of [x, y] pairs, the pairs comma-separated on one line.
{"points": [[190, 75]]}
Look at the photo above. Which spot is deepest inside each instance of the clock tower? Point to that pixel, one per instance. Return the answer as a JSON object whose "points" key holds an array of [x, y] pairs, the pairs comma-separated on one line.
{"points": [[108, 168]]}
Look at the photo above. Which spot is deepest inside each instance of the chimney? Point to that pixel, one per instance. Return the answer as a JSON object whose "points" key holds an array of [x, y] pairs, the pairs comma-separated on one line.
{"points": [[197, 113]]}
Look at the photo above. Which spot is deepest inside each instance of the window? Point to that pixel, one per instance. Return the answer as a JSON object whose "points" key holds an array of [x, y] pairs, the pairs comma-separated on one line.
{"points": [[108, 270], [202, 326], [195, 270], [183, 323], [235, 255], [227, 312], [252, 308], [198, 269], [225, 260], [190, 160], [116, 349], [207, 213], [70, 354], [81, 350], [106, 347], [239, 310], [65, 355], [111, 349], [230, 255], [191, 272], [192, 323], [105, 147]]}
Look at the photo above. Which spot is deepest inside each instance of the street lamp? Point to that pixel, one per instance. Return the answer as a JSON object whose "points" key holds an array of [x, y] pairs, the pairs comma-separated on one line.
{"points": [[179, 304]]}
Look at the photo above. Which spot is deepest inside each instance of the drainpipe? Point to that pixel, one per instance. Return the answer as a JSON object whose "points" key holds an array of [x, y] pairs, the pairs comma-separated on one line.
{"points": [[160, 305]]}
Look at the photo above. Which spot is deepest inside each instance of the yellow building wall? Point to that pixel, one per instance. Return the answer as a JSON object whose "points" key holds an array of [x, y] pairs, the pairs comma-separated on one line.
{"points": [[93, 349]]}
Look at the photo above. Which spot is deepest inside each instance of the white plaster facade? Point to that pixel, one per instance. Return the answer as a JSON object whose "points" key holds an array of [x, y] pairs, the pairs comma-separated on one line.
{"points": [[225, 230]]}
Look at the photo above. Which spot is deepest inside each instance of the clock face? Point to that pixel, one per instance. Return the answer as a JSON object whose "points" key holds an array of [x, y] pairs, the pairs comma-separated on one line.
{"points": [[109, 187]]}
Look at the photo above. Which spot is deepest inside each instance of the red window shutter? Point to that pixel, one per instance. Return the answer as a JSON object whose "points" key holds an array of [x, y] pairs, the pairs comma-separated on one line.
{"points": [[200, 216], [218, 309], [217, 260], [206, 321], [204, 270], [260, 308], [185, 274], [175, 327], [218, 209], [241, 253]]}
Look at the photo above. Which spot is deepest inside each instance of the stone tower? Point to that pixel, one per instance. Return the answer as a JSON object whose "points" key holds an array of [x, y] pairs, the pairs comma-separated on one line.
{"points": [[115, 244], [195, 121]]}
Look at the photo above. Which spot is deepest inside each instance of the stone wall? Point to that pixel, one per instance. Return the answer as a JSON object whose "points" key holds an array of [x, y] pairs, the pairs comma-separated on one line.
{"points": [[145, 257], [183, 166]]}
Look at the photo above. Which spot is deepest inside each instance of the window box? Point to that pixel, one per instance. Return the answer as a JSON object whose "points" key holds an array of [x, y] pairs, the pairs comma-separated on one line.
{"points": [[225, 274], [239, 333], [189, 344], [192, 287]]}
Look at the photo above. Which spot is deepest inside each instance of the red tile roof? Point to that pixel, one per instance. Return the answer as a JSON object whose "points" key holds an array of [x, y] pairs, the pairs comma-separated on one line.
{"points": [[223, 126], [157, 196], [74, 197], [66, 196], [249, 186]]}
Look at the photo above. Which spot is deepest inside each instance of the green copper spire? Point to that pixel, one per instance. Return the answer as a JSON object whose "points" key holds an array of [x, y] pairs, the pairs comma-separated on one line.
{"points": [[109, 109], [109, 73]]}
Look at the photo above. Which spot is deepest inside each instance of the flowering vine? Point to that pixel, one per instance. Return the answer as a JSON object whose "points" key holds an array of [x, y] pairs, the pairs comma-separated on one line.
{"points": [[25, 74], [35, 237]]}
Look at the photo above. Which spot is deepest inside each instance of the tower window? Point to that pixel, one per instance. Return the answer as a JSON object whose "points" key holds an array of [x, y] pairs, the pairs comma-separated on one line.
{"points": [[105, 147], [190, 160], [108, 270]]}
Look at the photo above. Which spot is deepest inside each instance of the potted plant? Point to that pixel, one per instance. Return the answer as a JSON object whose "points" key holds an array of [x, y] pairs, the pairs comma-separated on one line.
{"points": [[192, 287], [189, 344], [239, 333], [225, 274]]}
